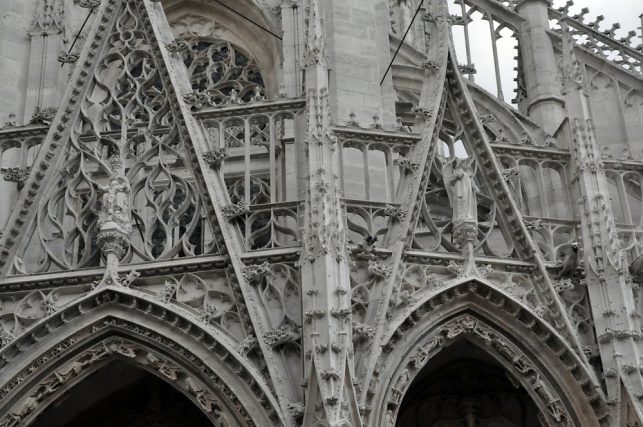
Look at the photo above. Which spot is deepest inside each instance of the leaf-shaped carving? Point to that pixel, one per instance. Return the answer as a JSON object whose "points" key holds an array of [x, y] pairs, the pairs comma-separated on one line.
{"points": [[286, 278], [272, 300], [231, 322], [191, 291], [415, 275], [31, 307]]}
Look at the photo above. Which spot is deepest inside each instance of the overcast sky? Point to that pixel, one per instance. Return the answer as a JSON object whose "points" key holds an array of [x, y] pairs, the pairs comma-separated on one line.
{"points": [[625, 12]]}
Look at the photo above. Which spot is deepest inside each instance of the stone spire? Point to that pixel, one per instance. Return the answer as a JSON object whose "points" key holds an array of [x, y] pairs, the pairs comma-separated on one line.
{"points": [[324, 266]]}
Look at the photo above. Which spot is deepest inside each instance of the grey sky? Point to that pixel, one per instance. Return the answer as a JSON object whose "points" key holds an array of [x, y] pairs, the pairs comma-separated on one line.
{"points": [[625, 12]]}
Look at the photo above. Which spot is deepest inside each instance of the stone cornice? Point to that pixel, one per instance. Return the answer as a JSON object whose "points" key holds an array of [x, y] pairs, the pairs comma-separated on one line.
{"points": [[149, 269], [286, 104], [532, 151], [22, 132], [375, 135]]}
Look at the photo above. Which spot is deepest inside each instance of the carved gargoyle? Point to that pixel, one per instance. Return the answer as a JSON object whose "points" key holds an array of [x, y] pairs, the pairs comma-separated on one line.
{"points": [[636, 269], [569, 259]]}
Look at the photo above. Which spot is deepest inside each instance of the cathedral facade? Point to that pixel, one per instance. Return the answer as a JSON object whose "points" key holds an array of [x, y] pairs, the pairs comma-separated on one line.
{"points": [[319, 213]]}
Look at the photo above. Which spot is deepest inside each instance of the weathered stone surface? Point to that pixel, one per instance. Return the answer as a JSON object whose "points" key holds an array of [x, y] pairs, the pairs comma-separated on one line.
{"points": [[243, 200]]}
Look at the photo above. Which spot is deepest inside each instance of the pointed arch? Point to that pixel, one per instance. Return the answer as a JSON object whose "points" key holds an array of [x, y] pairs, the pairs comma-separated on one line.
{"points": [[533, 353], [109, 324], [211, 20]]}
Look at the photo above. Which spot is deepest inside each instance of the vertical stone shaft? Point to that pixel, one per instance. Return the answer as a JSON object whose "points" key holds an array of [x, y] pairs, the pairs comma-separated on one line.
{"points": [[544, 101], [608, 282], [324, 268], [360, 51]]}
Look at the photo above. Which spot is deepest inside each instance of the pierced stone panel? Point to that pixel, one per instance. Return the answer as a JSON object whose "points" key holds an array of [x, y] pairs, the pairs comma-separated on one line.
{"points": [[269, 227], [278, 288], [207, 295], [223, 72], [257, 154], [367, 221], [125, 115], [370, 170]]}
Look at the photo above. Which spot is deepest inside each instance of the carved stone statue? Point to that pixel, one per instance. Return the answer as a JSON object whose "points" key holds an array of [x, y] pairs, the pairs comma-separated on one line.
{"points": [[115, 213], [114, 223], [461, 188]]}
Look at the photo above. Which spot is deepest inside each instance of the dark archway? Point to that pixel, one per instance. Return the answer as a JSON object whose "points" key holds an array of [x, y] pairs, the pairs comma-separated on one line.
{"points": [[61, 351], [464, 387], [124, 396]]}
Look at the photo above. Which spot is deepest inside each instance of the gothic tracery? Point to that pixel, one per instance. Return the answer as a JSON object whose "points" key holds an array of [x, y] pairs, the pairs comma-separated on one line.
{"points": [[238, 203]]}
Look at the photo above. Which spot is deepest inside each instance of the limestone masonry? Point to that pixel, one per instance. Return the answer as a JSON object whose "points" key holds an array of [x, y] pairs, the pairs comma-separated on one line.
{"points": [[320, 213]]}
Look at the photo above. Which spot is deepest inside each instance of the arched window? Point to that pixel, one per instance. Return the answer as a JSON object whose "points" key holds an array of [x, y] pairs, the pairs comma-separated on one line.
{"points": [[223, 71]]}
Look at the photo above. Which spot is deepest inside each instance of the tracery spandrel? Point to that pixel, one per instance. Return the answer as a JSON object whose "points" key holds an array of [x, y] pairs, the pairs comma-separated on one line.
{"points": [[125, 113]]}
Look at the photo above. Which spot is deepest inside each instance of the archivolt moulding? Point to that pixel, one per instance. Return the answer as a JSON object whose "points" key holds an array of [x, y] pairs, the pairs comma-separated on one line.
{"points": [[531, 350], [111, 323]]}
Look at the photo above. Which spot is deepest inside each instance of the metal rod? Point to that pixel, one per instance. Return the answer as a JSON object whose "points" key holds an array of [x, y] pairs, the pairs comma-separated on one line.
{"points": [[138, 226], [82, 27], [402, 42], [248, 19]]}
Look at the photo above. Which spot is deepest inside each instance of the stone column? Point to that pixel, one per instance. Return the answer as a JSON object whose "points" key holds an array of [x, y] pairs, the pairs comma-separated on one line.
{"points": [[360, 51], [545, 104], [326, 302]]}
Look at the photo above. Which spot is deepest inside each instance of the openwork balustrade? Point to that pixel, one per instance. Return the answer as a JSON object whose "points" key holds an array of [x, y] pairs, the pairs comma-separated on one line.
{"points": [[503, 21], [18, 148], [256, 149], [271, 226], [370, 163]]}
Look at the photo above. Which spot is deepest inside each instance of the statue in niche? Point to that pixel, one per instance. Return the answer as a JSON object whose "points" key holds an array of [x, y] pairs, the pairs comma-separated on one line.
{"points": [[115, 213], [462, 189], [114, 224]]}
